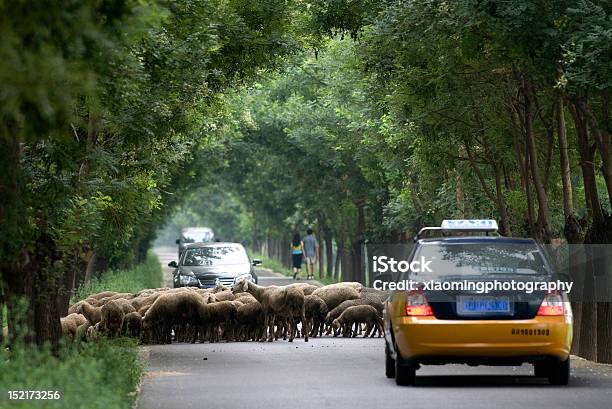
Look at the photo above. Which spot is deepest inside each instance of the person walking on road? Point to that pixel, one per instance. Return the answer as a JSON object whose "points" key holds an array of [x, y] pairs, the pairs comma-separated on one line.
{"points": [[297, 252], [311, 253]]}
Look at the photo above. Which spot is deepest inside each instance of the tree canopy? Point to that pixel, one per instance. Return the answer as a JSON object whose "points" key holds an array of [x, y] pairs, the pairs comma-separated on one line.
{"points": [[365, 120]]}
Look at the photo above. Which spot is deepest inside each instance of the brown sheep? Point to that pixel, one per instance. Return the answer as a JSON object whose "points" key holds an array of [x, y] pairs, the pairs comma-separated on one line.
{"points": [[82, 331], [334, 294], [219, 316], [246, 298], [169, 309], [374, 294], [353, 284], [124, 296], [364, 300], [144, 300], [272, 299], [125, 305], [220, 288], [93, 301], [250, 319], [70, 325], [306, 288], [93, 314], [103, 294], [75, 308], [132, 324], [111, 319], [356, 315], [144, 310], [315, 311], [294, 311], [224, 296], [93, 333]]}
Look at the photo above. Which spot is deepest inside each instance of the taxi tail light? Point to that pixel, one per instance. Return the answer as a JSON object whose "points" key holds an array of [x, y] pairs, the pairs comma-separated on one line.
{"points": [[417, 305], [553, 304]]}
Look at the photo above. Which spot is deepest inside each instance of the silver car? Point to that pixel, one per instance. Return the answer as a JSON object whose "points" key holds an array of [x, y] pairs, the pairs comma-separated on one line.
{"points": [[205, 265]]}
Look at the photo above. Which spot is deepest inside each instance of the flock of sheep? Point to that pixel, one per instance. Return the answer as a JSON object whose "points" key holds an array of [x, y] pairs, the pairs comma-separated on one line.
{"points": [[245, 312]]}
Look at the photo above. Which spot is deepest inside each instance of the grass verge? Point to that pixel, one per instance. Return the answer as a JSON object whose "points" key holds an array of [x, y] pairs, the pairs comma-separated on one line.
{"points": [[145, 275], [102, 375]]}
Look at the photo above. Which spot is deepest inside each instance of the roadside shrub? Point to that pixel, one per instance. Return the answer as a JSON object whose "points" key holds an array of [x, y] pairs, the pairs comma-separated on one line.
{"points": [[100, 375], [91, 375], [145, 275]]}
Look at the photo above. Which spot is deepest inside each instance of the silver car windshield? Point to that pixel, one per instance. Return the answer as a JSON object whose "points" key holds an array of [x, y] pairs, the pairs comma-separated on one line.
{"points": [[214, 256]]}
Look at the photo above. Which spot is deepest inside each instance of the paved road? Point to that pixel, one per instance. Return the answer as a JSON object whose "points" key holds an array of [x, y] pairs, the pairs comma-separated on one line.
{"points": [[346, 373]]}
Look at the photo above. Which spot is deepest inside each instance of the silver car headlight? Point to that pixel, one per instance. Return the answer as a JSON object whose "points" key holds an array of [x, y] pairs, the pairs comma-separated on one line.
{"points": [[243, 277], [187, 279]]}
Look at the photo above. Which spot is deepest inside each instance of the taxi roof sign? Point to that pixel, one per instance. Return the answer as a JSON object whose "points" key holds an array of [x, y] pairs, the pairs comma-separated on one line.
{"points": [[486, 225]]}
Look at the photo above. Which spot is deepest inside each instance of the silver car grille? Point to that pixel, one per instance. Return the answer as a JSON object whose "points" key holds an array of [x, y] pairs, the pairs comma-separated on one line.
{"points": [[211, 282]]}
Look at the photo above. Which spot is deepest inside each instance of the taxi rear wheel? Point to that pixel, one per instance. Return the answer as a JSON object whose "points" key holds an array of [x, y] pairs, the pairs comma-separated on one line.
{"points": [[405, 375], [559, 372], [389, 363], [540, 370]]}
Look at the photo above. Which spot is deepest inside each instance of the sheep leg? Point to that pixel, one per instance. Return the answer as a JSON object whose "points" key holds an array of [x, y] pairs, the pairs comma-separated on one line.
{"points": [[291, 328], [313, 325], [304, 324], [369, 328], [379, 326], [265, 327], [271, 337]]}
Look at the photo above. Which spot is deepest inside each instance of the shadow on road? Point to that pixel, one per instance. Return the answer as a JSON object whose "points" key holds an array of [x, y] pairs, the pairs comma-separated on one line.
{"points": [[479, 381]]}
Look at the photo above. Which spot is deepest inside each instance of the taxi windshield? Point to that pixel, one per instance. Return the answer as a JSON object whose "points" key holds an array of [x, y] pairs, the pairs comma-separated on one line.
{"points": [[478, 259]]}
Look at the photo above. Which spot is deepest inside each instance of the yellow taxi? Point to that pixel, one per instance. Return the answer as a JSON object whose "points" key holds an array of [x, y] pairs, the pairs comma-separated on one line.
{"points": [[482, 300]]}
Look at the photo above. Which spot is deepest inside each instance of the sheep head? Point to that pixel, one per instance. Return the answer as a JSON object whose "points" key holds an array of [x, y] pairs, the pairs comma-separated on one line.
{"points": [[220, 288], [241, 287]]}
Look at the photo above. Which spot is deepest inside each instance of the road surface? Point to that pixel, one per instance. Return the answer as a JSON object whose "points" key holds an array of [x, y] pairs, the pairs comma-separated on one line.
{"points": [[346, 373]]}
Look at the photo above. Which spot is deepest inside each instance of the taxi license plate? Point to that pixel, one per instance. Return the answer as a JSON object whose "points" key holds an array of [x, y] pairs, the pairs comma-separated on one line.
{"points": [[476, 305]]}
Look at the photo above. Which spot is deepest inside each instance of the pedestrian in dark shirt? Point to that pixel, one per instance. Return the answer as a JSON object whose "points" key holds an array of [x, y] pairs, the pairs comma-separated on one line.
{"points": [[311, 253]]}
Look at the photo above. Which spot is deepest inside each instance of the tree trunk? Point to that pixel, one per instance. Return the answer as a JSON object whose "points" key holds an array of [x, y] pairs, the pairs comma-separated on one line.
{"points": [[566, 180], [67, 286], [346, 266], [339, 257], [47, 284], [587, 155], [604, 332], [572, 229], [46, 310], [543, 209], [460, 197], [500, 201], [2, 303], [90, 269], [602, 141], [357, 243], [321, 253], [588, 321], [329, 251], [522, 156]]}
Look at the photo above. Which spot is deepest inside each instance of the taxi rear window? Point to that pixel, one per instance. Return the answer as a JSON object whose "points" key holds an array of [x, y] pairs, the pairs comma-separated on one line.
{"points": [[479, 259]]}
